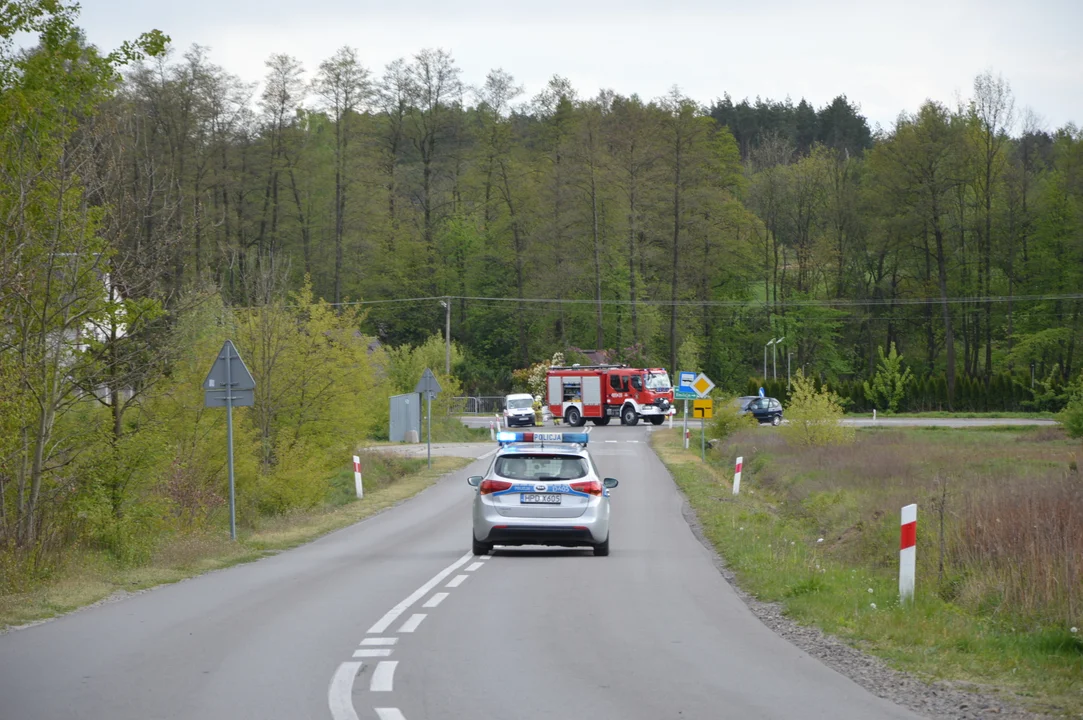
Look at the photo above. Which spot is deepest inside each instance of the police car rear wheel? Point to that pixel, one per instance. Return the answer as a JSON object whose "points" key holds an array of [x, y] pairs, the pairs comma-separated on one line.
{"points": [[481, 548], [602, 549]]}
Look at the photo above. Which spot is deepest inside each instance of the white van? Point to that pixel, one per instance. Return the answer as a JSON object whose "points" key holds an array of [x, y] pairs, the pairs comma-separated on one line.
{"points": [[519, 410]]}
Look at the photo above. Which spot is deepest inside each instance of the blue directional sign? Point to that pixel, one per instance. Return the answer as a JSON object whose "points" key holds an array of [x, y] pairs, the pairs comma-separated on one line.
{"points": [[761, 391], [684, 389]]}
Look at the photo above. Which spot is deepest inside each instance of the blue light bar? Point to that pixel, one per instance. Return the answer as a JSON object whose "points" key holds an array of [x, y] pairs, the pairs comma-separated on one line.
{"points": [[505, 437]]}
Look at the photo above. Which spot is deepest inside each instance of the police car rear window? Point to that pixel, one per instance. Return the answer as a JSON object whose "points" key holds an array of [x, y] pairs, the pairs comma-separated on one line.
{"points": [[536, 467]]}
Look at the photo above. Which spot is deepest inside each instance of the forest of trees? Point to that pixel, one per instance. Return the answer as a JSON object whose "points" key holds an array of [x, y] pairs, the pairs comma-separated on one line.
{"points": [[642, 224], [152, 204]]}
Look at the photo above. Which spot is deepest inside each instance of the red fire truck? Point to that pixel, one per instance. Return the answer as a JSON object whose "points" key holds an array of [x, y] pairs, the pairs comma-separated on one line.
{"points": [[600, 393]]}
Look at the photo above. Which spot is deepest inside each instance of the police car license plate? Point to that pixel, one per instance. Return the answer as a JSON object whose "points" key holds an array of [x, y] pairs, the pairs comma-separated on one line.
{"points": [[540, 498]]}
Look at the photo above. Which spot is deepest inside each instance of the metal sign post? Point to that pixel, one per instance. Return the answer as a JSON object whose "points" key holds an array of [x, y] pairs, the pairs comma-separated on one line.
{"points": [[430, 388], [229, 383], [703, 386], [685, 425], [685, 391]]}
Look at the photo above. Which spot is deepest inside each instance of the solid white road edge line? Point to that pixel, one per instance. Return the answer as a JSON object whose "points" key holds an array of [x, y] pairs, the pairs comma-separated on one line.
{"points": [[410, 625], [340, 693], [435, 600], [376, 652], [393, 614], [389, 714], [473, 566], [383, 679], [491, 452], [456, 581], [379, 641]]}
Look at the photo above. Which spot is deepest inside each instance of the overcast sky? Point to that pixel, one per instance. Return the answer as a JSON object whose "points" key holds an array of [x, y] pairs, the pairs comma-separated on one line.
{"points": [[887, 57]]}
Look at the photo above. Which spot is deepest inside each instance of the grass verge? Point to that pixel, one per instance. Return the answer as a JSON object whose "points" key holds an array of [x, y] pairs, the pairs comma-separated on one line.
{"points": [[90, 576], [939, 414], [810, 532]]}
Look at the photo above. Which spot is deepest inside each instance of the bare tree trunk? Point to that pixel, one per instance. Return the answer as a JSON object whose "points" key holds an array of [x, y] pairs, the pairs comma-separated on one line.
{"points": [[675, 257], [517, 240], [949, 336], [599, 340]]}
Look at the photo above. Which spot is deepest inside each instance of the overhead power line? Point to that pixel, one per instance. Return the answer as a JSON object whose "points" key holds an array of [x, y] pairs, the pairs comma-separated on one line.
{"points": [[831, 303]]}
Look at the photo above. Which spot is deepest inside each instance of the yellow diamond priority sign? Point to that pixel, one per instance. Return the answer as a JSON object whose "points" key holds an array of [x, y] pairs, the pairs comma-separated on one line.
{"points": [[702, 385]]}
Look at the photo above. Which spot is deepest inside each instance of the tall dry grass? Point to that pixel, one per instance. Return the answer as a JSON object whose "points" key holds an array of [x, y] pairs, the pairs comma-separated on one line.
{"points": [[1020, 545], [1012, 502]]}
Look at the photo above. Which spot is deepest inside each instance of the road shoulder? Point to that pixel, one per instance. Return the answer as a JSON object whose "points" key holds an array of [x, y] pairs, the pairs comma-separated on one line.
{"points": [[94, 582], [933, 700]]}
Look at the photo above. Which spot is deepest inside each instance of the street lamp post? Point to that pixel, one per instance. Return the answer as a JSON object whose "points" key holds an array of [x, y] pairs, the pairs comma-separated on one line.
{"points": [[774, 354], [765, 360], [446, 303]]}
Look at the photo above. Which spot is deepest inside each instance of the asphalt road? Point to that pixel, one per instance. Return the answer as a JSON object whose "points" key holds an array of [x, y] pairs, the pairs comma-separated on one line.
{"points": [[483, 421], [391, 619]]}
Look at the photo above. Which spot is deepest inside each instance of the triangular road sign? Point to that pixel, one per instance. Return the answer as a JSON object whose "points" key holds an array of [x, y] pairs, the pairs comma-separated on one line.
{"points": [[239, 375], [428, 383]]}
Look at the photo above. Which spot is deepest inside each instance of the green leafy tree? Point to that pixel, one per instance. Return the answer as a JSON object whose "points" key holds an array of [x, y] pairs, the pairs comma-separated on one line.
{"points": [[814, 417], [888, 386], [52, 255], [1071, 417]]}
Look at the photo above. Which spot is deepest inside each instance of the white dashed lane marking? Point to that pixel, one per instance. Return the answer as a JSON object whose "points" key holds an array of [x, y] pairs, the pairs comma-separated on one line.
{"points": [[410, 625], [372, 652], [383, 679], [340, 691], [389, 714], [393, 614], [435, 600]]}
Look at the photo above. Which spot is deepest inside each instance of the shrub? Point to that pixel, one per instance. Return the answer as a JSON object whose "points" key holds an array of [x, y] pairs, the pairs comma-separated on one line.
{"points": [[726, 419], [814, 416], [888, 386], [1071, 417]]}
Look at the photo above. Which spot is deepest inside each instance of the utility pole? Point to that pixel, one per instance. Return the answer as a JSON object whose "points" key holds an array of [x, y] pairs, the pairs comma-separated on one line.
{"points": [[447, 335]]}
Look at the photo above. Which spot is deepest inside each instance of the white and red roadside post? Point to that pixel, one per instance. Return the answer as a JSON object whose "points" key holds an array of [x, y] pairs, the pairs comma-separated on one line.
{"points": [[357, 477], [687, 437], [908, 534], [737, 475]]}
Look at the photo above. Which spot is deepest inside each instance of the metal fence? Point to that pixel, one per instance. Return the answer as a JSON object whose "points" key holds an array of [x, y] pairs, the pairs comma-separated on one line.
{"points": [[480, 405]]}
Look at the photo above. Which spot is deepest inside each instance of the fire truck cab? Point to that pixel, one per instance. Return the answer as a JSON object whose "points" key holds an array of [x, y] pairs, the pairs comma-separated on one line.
{"points": [[600, 393]]}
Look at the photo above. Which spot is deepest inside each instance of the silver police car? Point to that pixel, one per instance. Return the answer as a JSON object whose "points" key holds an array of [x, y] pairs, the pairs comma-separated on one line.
{"points": [[541, 489]]}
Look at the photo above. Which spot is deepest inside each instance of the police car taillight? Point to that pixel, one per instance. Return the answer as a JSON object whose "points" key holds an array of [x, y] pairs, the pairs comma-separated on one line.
{"points": [[491, 486], [590, 487]]}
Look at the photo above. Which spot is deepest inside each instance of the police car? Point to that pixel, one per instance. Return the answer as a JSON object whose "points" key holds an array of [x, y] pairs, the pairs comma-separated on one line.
{"points": [[541, 489]]}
